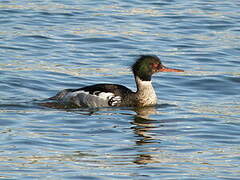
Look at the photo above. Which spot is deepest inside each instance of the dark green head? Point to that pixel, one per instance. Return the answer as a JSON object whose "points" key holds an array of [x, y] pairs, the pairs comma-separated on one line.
{"points": [[146, 65]]}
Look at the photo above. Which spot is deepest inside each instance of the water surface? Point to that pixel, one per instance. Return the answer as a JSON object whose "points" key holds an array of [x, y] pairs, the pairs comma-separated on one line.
{"points": [[193, 132]]}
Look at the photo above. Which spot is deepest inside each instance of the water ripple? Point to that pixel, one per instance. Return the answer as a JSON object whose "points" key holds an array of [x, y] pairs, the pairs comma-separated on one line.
{"points": [[47, 46]]}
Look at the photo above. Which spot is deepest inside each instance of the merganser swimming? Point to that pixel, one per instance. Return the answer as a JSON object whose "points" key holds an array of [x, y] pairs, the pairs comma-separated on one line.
{"points": [[109, 95]]}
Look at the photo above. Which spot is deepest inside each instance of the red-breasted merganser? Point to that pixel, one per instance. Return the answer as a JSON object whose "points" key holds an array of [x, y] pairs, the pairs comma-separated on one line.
{"points": [[109, 95]]}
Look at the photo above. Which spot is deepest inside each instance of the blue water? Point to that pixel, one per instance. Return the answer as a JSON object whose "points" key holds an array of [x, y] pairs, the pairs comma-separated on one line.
{"points": [[193, 132]]}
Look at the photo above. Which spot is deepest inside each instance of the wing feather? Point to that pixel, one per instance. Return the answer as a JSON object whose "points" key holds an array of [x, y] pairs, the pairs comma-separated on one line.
{"points": [[100, 95]]}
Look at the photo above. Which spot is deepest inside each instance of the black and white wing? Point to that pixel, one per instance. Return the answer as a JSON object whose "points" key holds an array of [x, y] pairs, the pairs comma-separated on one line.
{"points": [[100, 95]]}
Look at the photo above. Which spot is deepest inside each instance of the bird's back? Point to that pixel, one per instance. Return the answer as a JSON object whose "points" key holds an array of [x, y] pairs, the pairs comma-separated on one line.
{"points": [[99, 95]]}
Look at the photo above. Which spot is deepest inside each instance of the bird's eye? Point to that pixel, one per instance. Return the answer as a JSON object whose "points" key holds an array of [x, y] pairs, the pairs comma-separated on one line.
{"points": [[155, 65]]}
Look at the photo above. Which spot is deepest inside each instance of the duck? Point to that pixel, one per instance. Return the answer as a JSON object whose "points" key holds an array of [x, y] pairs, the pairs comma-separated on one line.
{"points": [[115, 95]]}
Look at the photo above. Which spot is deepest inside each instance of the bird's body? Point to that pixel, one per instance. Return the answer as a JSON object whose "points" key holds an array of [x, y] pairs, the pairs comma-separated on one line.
{"points": [[109, 95]]}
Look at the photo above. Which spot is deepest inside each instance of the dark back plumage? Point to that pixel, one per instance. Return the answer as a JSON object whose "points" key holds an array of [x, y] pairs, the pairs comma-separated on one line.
{"points": [[116, 89]]}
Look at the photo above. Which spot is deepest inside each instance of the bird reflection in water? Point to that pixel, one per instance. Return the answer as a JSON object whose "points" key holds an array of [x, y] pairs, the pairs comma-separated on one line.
{"points": [[143, 125]]}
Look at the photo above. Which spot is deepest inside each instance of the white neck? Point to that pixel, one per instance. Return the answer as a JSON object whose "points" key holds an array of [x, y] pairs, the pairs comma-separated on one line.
{"points": [[145, 92], [141, 85]]}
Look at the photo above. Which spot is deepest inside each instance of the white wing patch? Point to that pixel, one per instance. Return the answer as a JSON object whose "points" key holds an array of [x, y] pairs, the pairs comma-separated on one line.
{"points": [[115, 100], [97, 99]]}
